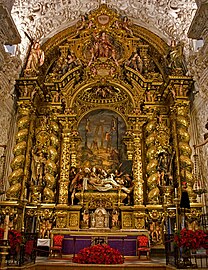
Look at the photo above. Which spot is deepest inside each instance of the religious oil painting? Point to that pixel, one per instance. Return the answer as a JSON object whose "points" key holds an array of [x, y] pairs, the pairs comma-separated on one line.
{"points": [[101, 132]]}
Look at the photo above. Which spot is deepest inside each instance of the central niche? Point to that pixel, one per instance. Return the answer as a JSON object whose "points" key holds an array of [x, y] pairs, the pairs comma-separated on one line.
{"points": [[101, 132]]}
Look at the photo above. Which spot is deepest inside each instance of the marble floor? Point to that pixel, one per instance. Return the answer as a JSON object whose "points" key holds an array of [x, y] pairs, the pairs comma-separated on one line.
{"points": [[129, 263], [128, 260]]}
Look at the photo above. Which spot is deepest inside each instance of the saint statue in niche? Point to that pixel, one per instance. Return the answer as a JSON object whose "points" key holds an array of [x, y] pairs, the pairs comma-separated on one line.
{"points": [[37, 167], [164, 168], [135, 62], [115, 218], [102, 47]]}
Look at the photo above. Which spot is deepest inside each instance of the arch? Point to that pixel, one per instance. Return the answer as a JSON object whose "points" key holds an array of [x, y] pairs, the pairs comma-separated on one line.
{"points": [[113, 83]]}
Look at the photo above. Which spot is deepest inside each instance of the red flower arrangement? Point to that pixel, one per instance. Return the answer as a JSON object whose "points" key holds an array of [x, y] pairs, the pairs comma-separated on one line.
{"points": [[99, 254], [191, 239], [1, 233], [14, 237]]}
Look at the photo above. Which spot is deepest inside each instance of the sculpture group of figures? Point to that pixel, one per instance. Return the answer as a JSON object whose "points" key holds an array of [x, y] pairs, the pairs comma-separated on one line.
{"points": [[65, 64], [94, 178], [101, 180], [154, 223], [123, 24], [100, 45]]}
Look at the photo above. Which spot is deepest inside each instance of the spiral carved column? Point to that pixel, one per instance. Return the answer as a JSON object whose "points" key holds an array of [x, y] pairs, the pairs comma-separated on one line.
{"points": [[18, 163], [151, 153], [51, 163], [182, 124]]}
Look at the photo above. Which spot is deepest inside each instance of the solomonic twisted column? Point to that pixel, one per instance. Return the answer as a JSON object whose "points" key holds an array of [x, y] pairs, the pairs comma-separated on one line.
{"points": [[17, 176], [184, 150]]}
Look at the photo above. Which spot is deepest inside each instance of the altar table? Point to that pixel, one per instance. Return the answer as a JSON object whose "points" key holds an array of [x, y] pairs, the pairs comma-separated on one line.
{"points": [[43, 246], [124, 241]]}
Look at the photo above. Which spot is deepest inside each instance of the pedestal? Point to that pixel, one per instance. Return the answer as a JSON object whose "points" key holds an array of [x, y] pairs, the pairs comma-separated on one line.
{"points": [[4, 247]]}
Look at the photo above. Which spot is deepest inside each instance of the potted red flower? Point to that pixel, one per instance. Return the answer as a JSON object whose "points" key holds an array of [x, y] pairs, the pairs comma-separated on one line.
{"points": [[190, 240], [15, 239], [1, 233], [99, 254]]}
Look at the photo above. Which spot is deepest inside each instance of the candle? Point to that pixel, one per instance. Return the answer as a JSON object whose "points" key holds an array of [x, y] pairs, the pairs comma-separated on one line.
{"points": [[169, 226], [176, 193], [6, 227]]}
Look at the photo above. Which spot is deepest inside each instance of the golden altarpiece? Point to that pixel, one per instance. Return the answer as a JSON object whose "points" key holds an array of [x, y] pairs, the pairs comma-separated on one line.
{"points": [[102, 138]]}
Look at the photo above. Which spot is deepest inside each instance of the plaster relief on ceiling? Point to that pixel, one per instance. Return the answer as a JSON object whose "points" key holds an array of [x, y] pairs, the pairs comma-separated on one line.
{"points": [[8, 32], [8, 4], [200, 114], [170, 19], [199, 23], [5, 120], [9, 72], [198, 67], [198, 61]]}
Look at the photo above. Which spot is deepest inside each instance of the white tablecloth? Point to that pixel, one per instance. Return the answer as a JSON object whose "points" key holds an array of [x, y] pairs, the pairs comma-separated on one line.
{"points": [[44, 242]]}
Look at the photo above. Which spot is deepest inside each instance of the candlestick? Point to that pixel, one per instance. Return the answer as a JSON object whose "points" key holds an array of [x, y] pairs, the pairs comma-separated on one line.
{"points": [[6, 227]]}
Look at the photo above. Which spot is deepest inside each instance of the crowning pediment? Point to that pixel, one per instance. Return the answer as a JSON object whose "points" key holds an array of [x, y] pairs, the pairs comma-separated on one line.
{"points": [[104, 53], [169, 19]]}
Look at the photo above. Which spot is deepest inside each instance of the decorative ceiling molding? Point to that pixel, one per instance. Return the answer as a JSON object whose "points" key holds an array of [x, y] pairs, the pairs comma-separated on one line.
{"points": [[198, 61], [8, 31]]}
